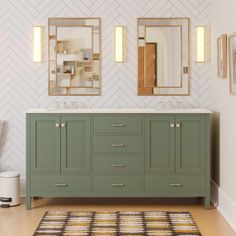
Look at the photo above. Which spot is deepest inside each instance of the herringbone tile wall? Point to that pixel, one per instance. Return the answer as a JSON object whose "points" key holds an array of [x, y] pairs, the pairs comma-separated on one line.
{"points": [[23, 84]]}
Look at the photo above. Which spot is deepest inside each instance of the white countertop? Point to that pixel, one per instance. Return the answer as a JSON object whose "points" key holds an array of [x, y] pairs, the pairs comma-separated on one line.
{"points": [[138, 111]]}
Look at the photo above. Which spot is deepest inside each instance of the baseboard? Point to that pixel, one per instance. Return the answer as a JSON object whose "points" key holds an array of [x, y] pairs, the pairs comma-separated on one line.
{"points": [[225, 205], [214, 194]]}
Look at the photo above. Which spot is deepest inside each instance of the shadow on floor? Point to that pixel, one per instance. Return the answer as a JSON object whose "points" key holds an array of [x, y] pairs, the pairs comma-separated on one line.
{"points": [[109, 202]]}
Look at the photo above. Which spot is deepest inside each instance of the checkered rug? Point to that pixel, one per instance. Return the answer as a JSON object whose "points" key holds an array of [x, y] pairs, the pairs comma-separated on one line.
{"points": [[85, 223]]}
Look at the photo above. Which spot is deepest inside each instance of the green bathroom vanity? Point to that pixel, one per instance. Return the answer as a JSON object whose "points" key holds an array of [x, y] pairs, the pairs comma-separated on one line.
{"points": [[118, 153]]}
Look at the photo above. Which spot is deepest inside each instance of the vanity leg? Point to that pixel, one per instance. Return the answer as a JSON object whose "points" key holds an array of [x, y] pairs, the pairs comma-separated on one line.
{"points": [[207, 202], [28, 202]]}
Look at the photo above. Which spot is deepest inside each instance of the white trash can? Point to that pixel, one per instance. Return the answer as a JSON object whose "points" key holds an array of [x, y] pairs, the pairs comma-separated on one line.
{"points": [[9, 188]]}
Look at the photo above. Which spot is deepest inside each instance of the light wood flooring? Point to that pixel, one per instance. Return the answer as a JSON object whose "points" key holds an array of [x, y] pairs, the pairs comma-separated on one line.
{"points": [[16, 221]]}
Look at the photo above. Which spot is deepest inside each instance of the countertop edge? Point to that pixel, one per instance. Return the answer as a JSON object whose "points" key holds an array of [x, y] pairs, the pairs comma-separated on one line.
{"points": [[97, 111]]}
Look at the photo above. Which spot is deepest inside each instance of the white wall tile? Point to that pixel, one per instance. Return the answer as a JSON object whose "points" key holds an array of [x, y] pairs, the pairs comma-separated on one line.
{"points": [[23, 84]]}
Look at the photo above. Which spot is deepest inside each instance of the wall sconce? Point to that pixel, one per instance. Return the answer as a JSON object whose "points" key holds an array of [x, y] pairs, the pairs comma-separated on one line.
{"points": [[37, 50], [119, 44], [200, 37]]}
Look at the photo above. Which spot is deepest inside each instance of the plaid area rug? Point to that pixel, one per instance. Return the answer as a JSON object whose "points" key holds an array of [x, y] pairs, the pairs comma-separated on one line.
{"points": [[84, 223]]}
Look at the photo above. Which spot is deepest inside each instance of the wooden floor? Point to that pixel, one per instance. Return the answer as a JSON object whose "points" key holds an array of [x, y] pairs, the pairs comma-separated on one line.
{"points": [[17, 221]]}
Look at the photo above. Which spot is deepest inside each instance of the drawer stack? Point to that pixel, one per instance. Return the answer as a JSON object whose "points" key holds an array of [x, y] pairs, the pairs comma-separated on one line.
{"points": [[117, 155]]}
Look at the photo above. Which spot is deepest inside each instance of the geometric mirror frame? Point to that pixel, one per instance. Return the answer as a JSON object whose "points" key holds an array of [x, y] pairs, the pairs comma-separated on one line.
{"points": [[74, 56], [163, 56], [232, 63], [222, 56]]}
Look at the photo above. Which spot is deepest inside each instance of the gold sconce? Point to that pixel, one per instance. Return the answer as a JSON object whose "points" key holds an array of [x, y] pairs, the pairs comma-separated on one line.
{"points": [[200, 38], [37, 50], [119, 44]]}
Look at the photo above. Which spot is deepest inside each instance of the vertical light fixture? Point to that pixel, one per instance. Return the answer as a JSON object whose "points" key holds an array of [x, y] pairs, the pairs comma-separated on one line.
{"points": [[119, 44], [200, 37], [37, 50]]}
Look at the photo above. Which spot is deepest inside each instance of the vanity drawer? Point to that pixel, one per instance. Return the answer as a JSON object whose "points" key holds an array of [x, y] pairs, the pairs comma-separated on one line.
{"points": [[109, 184], [60, 184], [117, 164], [117, 124], [118, 144], [167, 185]]}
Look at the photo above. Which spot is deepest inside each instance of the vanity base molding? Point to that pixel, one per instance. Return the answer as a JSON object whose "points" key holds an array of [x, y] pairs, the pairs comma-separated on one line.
{"points": [[118, 155]]}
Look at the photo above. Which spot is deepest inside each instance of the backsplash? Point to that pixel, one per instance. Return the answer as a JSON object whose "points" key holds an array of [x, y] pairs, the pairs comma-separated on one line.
{"points": [[24, 85]]}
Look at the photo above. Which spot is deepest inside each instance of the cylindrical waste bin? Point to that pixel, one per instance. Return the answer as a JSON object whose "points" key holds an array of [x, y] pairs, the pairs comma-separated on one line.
{"points": [[9, 188]]}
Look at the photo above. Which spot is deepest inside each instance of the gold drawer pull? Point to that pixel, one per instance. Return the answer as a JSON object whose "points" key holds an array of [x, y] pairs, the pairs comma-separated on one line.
{"points": [[176, 185], [118, 125], [118, 145], [63, 125], [60, 185], [118, 165], [178, 125], [58, 125], [118, 185]]}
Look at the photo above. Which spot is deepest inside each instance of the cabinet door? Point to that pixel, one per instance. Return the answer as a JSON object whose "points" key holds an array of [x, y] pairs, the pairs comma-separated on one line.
{"points": [[75, 143], [45, 143], [159, 143], [190, 143]]}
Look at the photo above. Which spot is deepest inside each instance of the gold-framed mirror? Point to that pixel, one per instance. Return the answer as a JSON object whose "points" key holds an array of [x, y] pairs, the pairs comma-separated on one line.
{"points": [[74, 56], [163, 56]]}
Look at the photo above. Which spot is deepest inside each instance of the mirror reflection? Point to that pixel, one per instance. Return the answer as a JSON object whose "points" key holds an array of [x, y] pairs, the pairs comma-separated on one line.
{"points": [[74, 56], [163, 56], [165, 45]]}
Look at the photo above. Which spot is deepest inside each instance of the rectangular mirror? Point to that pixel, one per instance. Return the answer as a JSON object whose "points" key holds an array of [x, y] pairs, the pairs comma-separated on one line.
{"points": [[74, 56], [222, 56], [163, 56]]}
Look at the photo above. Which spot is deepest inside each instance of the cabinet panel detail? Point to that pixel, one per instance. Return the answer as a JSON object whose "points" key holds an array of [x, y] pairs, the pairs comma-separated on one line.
{"points": [[114, 164], [118, 124], [159, 144], [110, 184], [118, 144], [45, 144], [190, 144], [184, 185], [60, 184], [75, 145]]}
